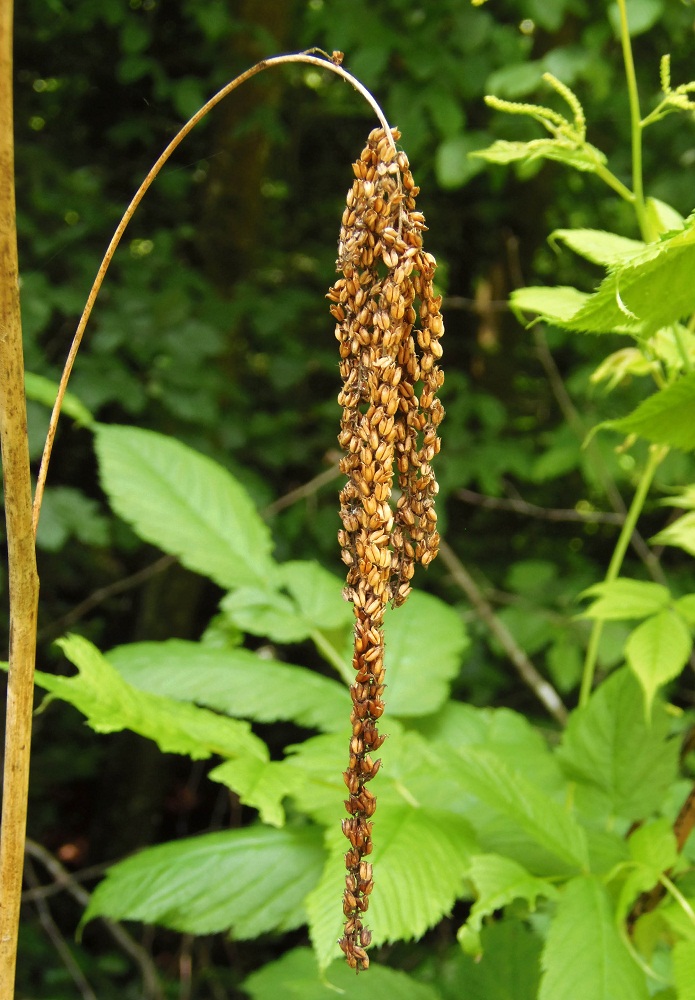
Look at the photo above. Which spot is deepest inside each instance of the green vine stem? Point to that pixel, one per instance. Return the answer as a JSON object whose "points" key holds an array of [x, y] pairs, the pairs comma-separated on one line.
{"points": [[324, 61], [636, 124], [657, 453], [23, 578]]}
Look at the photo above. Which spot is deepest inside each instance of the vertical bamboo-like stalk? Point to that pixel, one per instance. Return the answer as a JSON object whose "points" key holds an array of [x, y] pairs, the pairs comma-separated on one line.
{"points": [[22, 575]]}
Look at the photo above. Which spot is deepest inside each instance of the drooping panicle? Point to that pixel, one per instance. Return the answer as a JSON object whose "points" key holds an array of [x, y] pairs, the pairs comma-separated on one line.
{"points": [[388, 326]]}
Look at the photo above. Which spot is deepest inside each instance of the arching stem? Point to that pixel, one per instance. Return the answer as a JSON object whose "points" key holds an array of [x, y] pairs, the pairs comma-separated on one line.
{"points": [[326, 62]]}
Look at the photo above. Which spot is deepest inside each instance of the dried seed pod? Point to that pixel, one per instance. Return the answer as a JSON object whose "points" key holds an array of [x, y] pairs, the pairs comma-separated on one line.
{"points": [[389, 436]]}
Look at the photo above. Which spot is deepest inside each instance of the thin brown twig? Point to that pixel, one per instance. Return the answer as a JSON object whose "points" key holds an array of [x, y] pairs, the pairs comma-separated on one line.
{"points": [[97, 597], [152, 989], [542, 688], [519, 506], [302, 492], [330, 63], [56, 938]]}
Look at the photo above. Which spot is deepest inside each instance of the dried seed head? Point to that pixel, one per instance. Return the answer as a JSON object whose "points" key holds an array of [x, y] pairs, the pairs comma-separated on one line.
{"points": [[389, 433]]}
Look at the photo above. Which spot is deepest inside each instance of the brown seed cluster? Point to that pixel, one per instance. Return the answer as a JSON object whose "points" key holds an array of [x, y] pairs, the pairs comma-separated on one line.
{"points": [[389, 428]]}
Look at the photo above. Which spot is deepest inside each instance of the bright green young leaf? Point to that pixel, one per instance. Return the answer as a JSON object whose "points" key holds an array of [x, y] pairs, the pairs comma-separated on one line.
{"points": [[685, 606], [556, 305], [624, 599], [684, 969], [654, 846], [663, 218], [110, 704], [598, 246], [490, 779], [666, 417], [499, 881], [262, 784], [424, 639], [584, 157], [508, 969], [658, 650], [584, 955], [423, 855], [680, 533], [44, 390], [234, 681], [249, 881], [610, 748], [296, 976], [184, 503]]}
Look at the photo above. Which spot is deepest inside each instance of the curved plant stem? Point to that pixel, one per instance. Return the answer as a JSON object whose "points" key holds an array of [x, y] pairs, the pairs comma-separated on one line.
{"points": [[23, 579], [635, 121], [297, 57], [656, 456]]}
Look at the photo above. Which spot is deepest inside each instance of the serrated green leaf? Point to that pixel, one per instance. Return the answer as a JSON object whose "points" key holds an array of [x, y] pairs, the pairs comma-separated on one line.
{"points": [[507, 969], [584, 954], [681, 534], [489, 778], [499, 881], [424, 638], [110, 704], [297, 975], [184, 503], [234, 681], [598, 246], [657, 651], [663, 218], [665, 417], [610, 747], [262, 784], [248, 881], [624, 599], [422, 856]]}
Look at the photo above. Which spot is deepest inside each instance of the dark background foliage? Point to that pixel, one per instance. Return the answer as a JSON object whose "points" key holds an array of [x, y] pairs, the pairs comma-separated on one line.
{"points": [[213, 327]]}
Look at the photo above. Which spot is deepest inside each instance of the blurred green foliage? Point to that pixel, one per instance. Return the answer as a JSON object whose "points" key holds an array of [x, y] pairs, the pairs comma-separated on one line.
{"points": [[212, 327]]}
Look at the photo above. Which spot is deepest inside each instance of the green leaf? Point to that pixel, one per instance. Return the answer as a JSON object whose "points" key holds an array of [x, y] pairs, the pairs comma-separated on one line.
{"points": [[666, 417], [423, 855], [508, 969], [584, 955], [584, 157], [265, 612], [684, 969], [453, 164], [555, 305], [654, 846], [499, 881], [424, 638], [625, 598], [110, 704], [262, 784], [185, 503], [296, 976], [598, 246], [685, 606], [663, 218], [611, 749], [317, 594], [488, 777], [234, 681], [658, 650], [248, 881], [45, 390], [641, 15], [680, 533]]}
